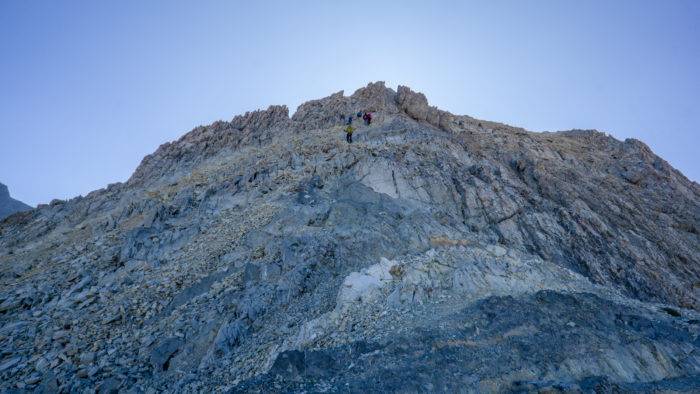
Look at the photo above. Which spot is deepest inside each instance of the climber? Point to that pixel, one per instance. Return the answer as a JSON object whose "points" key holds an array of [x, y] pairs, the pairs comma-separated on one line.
{"points": [[367, 118], [349, 120], [348, 133], [359, 114]]}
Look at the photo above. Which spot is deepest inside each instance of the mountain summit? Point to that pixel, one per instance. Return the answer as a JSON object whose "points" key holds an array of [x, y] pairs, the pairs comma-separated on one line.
{"points": [[9, 205], [435, 253]]}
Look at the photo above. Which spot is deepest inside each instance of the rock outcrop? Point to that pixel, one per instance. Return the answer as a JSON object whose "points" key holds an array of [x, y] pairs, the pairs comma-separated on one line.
{"points": [[436, 253], [9, 205]]}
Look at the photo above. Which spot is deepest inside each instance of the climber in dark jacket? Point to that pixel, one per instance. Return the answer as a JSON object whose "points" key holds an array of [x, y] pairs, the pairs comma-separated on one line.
{"points": [[349, 120], [367, 118]]}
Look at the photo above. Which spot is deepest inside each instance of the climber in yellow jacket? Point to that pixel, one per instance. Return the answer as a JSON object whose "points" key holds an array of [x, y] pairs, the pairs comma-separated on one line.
{"points": [[348, 133]]}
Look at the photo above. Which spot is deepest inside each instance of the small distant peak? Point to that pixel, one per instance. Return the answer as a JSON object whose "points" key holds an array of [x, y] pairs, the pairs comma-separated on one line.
{"points": [[9, 205]]}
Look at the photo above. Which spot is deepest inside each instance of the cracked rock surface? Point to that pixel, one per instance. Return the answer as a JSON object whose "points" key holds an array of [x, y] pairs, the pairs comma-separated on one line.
{"points": [[436, 253]]}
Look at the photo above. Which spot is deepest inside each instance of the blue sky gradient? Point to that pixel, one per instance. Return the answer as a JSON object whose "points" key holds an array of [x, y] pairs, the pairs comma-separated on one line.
{"points": [[88, 88]]}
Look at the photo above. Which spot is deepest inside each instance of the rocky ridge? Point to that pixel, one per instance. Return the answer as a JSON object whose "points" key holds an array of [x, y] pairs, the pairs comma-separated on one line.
{"points": [[436, 253]]}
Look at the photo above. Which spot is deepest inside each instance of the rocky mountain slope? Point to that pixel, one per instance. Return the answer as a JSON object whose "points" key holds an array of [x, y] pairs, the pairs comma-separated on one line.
{"points": [[436, 253], [9, 205]]}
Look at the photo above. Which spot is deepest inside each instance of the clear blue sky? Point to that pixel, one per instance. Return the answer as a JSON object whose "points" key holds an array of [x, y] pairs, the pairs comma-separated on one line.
{"points": [[87, 88]]}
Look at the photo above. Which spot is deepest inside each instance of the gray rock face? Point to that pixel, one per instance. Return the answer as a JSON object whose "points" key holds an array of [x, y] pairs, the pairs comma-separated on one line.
{"points": [[9, 205], [436, 253]]}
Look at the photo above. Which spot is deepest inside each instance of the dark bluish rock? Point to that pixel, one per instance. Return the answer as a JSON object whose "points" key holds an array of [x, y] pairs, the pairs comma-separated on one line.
{"points": [[482, 348], [163, 352]]}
